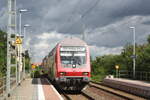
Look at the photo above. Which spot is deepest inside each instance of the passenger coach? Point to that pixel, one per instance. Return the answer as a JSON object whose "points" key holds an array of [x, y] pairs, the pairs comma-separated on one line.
{"points": [[68, 64]]}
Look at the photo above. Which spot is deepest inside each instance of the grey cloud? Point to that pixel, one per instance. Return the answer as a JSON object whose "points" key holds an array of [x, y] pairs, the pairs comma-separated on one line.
{"points": [[64, 17], [133, 7], [119, 33], [146, 23], [61, 15]]}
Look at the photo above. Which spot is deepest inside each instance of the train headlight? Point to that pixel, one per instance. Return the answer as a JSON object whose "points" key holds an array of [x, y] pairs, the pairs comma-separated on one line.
{"points": [[62, 73], [74, 66], [85, 73]]}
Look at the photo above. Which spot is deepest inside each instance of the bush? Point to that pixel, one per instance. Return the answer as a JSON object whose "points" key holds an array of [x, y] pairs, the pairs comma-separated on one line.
{"points": [[35, 74]]}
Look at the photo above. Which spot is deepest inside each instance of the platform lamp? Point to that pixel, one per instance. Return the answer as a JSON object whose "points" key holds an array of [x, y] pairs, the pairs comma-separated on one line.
{"points": [[133, 56], [24, 29], [19, 48]]}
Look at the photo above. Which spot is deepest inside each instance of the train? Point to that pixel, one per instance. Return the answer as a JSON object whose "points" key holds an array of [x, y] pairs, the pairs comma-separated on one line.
{"points": [[68, 64]]}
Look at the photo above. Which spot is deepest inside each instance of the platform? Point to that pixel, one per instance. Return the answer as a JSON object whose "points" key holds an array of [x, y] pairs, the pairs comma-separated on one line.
{"points": [[35, 89], [136, 87]]}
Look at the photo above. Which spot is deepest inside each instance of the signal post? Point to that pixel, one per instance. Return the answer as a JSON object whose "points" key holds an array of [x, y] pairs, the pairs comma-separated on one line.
{"points": [[19, 57]]}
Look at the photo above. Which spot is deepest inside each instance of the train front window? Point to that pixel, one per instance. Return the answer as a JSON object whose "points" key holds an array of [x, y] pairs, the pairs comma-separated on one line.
{"points": [[75, 59]]}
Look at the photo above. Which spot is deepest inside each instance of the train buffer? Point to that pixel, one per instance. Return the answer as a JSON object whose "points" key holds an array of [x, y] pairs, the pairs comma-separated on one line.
{"points": [[35, 89]]}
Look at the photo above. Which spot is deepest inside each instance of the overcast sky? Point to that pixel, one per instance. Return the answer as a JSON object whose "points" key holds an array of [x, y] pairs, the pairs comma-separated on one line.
{"points": [[105, 22]]}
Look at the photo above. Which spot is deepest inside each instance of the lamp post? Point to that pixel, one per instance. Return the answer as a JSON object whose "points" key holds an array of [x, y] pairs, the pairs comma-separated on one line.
{"points": [[20, 15], [117, 71], [20, 46], [24, 28], [134, 56]]}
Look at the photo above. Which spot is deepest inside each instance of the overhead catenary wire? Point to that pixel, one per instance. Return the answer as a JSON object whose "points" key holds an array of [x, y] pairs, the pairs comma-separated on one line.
{"points": [[90, 9], [84, 14]]}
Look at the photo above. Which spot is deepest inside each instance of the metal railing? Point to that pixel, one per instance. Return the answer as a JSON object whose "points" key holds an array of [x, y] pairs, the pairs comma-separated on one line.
{"points": [[2, 85], [139, 75], [13, 84]]}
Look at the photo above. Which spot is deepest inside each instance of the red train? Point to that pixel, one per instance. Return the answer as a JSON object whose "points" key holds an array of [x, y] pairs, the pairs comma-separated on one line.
{"points": [[68, 64]]}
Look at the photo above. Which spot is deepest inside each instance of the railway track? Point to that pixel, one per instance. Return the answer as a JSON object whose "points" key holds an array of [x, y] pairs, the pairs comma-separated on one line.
{"points": [[101, 89], [97, 91], [71, 95], [76, 96]]}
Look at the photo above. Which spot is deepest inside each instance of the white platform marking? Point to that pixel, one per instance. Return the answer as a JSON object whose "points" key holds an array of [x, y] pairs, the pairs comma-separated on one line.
{"points": [[40, 91]]}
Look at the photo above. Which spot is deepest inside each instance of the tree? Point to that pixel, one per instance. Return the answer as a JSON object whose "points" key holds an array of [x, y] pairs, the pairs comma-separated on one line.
{"points": [[104, 65], [3, 52], [148, 39], [27, 61]]}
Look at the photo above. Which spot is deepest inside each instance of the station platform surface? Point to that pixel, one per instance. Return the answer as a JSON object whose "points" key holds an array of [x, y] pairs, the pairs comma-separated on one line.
{"points": [[136, 87], [143, 84], [35, 89]]}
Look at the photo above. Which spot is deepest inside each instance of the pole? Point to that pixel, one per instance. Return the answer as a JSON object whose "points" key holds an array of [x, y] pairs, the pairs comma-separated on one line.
{"points": [[134, 53], [19, 62], [116, 73], [134, 56], [117, 70], [24, 31], [8, 65], [24, 55], [20, 75], [20, 23], [15, 39], [8, 48], [24, 66]]}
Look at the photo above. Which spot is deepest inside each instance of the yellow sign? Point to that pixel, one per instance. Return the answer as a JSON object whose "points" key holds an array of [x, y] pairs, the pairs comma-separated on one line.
{"points": [[18, 40], [33, 66], [117, 67]]}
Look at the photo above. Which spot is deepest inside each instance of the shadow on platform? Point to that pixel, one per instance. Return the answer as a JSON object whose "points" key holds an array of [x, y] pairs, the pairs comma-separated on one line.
{"points": [[43, 81]]}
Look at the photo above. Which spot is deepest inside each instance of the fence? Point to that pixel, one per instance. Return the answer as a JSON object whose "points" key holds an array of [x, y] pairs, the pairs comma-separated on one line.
{"points": [[139, 75], [13, 84], [2, 86]]}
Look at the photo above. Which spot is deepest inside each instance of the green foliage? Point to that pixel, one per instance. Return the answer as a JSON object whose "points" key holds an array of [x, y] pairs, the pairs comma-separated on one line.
{"points": [[3, 52], [37, 72], [148, 39], [3, 55], [105, 65], [27, 61]]}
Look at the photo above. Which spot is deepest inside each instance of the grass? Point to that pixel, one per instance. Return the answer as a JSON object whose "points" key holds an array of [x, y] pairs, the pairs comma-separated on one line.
{"points": [[97, 78]]}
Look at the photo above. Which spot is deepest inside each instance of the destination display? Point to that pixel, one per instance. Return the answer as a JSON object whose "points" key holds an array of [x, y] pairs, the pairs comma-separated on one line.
{"points": [[71, 54], [65, 54], [65, 48]]}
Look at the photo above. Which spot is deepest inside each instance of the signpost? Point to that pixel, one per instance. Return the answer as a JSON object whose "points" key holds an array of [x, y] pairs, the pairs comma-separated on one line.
{"points": [[33, 66], [117, 71], [18, 40], [18, 43], [33, 69]]}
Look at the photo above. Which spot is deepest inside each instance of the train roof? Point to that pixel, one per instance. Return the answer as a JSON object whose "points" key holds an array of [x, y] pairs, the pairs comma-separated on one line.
{"points": [[72, 41]]}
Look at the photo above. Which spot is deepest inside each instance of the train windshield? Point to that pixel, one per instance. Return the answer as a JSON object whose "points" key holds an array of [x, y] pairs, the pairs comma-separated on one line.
{"points": [[73, 57]]}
